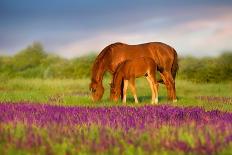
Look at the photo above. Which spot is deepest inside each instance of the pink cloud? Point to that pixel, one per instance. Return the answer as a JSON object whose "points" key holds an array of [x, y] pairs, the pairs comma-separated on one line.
{"points": [[208, 34]]}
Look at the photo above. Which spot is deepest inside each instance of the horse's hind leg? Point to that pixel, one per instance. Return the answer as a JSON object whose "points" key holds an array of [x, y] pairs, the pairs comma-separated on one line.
{"points": [[133, 89], [125, 90], [170, 85], [172, 88]]}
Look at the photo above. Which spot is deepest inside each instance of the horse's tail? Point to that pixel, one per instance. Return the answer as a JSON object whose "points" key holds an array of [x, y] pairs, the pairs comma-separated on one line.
{"points": [[122, 85], [174, 69], [175, 65]]}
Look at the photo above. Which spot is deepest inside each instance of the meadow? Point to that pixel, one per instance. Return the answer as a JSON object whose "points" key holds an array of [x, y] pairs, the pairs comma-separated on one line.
{"points": [[76, 92], [45, 108], [57, 116]]}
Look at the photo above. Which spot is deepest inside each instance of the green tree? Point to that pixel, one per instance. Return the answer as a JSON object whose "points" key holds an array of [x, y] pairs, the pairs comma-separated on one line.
{"points": [[29, 57]]}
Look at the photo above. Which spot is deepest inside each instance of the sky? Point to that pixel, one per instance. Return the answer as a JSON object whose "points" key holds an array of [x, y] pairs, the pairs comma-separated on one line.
{"points": [[72, 28]]}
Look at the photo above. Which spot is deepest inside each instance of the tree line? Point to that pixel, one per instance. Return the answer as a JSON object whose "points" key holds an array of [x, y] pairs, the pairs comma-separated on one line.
{"points": [[35, 62]]}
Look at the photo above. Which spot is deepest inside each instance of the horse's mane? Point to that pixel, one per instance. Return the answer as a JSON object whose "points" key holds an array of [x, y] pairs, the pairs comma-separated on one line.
{"points": [[100, 58], [105, 50]]}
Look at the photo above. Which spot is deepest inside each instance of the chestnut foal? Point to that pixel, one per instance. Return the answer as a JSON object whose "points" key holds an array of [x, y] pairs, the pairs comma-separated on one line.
{"points": [[127, 71]]}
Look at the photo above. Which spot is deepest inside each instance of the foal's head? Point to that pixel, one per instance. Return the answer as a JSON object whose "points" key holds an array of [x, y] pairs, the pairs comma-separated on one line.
{"points": [[114, 93]]}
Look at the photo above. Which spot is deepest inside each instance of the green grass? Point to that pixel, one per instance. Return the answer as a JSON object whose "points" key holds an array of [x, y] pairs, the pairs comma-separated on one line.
{"points": [[75, 92]]}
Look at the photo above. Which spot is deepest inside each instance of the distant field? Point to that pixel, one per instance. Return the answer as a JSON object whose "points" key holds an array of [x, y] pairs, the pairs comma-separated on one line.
{"points": [[75, 92]]}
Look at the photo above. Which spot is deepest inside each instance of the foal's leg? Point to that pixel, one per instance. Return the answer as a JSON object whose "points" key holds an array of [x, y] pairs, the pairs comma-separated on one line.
{"points": [[155, 85], [152, 89], [133, 89], [124, 90]]}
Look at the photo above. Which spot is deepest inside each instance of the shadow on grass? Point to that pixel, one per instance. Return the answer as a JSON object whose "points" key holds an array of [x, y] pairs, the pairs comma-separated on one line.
{"points": [[146, 99]]}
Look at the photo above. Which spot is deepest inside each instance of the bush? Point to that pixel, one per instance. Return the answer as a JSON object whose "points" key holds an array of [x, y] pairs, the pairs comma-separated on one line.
{"points": [[29, 58], [206, 69], [34, 62]]}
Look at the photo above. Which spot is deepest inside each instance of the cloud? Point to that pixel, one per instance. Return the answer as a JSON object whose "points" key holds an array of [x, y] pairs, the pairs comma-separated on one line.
{"points": [[191, 29], [95, 44], [208, 34], [204, 36]]}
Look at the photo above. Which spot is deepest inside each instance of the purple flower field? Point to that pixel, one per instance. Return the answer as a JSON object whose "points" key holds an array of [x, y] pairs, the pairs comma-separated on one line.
{"points": [[116, 117], [161, 129]]}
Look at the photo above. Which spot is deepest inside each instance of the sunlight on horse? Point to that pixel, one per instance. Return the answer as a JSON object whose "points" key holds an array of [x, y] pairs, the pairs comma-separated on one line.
{"points": [[127, 71], [111, 56]]}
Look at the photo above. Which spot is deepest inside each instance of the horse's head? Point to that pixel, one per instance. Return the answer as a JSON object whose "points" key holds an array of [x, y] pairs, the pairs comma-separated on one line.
{"points": [[97, 90], [114, 94]]}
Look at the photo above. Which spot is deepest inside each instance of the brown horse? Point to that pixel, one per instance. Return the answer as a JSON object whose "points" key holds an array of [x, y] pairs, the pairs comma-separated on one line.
{"points": [[111, 56], [127, 71]]}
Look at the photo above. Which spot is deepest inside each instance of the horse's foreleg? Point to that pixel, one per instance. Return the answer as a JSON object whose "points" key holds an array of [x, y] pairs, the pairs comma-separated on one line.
{"points": [[125, 90], [133, 89]]}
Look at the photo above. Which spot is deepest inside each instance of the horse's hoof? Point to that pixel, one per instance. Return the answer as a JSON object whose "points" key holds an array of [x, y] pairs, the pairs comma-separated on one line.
{"points": [[154, 103], [174, 101]]}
